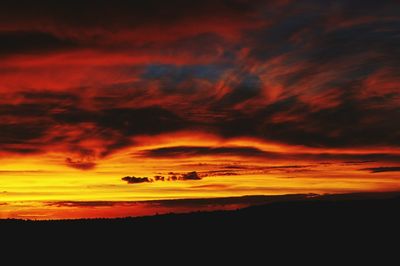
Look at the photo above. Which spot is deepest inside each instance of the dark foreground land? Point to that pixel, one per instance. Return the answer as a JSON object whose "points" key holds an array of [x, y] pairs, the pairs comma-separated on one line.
{"points": [[361, 211], [328, 223]]}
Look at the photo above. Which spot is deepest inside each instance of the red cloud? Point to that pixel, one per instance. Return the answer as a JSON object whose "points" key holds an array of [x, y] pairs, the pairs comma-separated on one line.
{"points": [[80, 164]]}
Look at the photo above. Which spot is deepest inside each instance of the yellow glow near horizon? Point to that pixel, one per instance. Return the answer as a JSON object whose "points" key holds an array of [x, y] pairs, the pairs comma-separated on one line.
{"points": [[44, 178]]}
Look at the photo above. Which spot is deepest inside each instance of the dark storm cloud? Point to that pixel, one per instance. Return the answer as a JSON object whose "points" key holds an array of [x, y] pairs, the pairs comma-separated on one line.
{"points": [[344, 125], [121, 13], [24, 126], [151, 120], [249, 152], [25, 109], [20, 133], [208, 43], [383, 169], [373, 40], [128, 121], [318, 46], [139, 27], [335, 65], [274, 41], [247, 88], [56, 97], [119, 124], [179, 74], [187, 151], [25, 42]]}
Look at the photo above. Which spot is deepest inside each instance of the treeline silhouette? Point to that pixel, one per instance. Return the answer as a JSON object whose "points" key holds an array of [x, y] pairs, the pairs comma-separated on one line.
{"points": [[346, 210], [337, 226]]}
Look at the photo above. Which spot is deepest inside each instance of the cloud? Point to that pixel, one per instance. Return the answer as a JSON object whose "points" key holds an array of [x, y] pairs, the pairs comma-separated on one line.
{"points": [[252, 152], [211, 186], [171, 177], [47, 119], [382, 169], [251, 169], [122, 13], [31, 42], [247, 200], [199, 202], [80, 164], [358, 162], [160, 178], [333, 127], [298, 74], [136, 180], [189, 151], [190, 176], [150, 120], [83, 203]]}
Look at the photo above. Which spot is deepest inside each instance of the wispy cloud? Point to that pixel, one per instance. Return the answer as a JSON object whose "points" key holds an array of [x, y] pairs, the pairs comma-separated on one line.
{"points": [[383, 169]]}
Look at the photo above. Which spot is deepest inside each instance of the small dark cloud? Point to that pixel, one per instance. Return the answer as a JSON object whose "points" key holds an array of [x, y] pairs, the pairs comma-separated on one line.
{"points": [[80, 164], [171, 177], [190, 176], [183, 176], [136, 180], [159, 178], [383, 169]]}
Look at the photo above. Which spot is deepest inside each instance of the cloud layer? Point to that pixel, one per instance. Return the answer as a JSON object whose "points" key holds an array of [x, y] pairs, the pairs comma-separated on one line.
{"points": [[89, 80]]}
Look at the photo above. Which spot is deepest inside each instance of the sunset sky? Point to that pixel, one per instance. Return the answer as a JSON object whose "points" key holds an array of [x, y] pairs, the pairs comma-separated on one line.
{"points": [[109, 108]]}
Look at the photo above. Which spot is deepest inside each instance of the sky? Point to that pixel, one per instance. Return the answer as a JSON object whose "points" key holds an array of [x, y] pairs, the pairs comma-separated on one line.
{"points": [[111, 108]]}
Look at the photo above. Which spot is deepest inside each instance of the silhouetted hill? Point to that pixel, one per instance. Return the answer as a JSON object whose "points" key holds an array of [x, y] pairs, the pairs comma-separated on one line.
{"points": [[293, 211], [331, 225]]}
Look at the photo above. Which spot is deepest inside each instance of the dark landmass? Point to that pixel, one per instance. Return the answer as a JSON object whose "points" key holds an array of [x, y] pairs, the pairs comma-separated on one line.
{"points": [[333, 225], [296, 209]]}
